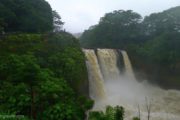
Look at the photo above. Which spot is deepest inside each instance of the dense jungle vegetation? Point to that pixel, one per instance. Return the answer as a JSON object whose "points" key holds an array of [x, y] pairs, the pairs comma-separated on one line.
{"points": [[153, 42], [43, 74]]}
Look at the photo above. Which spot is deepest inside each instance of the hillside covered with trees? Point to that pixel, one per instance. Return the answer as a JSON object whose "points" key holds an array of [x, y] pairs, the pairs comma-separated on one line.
{"points": [[43, 74], [25, 15], [153, 42]]}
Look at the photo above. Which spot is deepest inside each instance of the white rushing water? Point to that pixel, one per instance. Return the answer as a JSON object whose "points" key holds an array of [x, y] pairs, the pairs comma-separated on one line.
{"points": [[108, 86], [108, 64], [96, 84]]}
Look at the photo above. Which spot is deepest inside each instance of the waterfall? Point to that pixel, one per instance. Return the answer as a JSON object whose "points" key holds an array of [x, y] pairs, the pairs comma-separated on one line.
{"points": [[110, 85], [127, 64], [108, 64], [96, 84]]}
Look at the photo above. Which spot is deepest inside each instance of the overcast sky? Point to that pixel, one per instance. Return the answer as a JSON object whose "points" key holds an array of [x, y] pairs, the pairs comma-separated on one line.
{"points": [[79, 15]]}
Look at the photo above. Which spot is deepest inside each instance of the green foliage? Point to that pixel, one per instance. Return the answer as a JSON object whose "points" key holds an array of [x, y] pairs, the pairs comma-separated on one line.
{"points": [[163, 49], [86, 103], [112, 113], [119, 113], [40, 76], [1, 26], [136, 118], [26, 16], [95, 115], [163, 22], [162, 46], [115, 30], [153, 43], [57, 21], [6, 116]]}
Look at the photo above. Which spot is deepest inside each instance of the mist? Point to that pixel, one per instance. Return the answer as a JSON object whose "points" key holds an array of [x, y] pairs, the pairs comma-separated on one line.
{"points": [[122, 88]]}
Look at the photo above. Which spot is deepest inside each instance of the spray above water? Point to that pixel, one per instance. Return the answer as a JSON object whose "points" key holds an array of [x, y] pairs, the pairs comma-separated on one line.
{"points": [[128, 67], [110, 85]]}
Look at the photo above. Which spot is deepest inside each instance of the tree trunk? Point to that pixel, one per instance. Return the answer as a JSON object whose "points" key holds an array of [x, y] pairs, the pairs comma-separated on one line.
{"points": [[33, 112]]}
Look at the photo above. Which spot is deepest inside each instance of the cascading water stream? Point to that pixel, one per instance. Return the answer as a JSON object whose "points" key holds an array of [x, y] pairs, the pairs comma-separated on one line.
{"points": [[110, 86], [128, 67], [96, 83], [108, 64]]}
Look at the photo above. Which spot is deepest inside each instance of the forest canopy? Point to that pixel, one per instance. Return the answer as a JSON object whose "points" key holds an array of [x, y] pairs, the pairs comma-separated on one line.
{"points": [[25, 16], [43, 73], [153, 42]]}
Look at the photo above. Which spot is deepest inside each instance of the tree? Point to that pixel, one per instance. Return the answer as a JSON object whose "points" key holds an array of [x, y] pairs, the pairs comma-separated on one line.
{"points": [[21, 70], [30, 81], [96, 115], [2, 24], [119, 113], [152, 43], [26, 15], [148, 107], [112, 113], [57, 21], [163, 22], [115, 30], [136, 118], [139, 112]]}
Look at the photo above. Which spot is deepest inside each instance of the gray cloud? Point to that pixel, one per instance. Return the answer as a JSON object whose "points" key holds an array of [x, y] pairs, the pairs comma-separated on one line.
{"points": [[78, 15]]}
